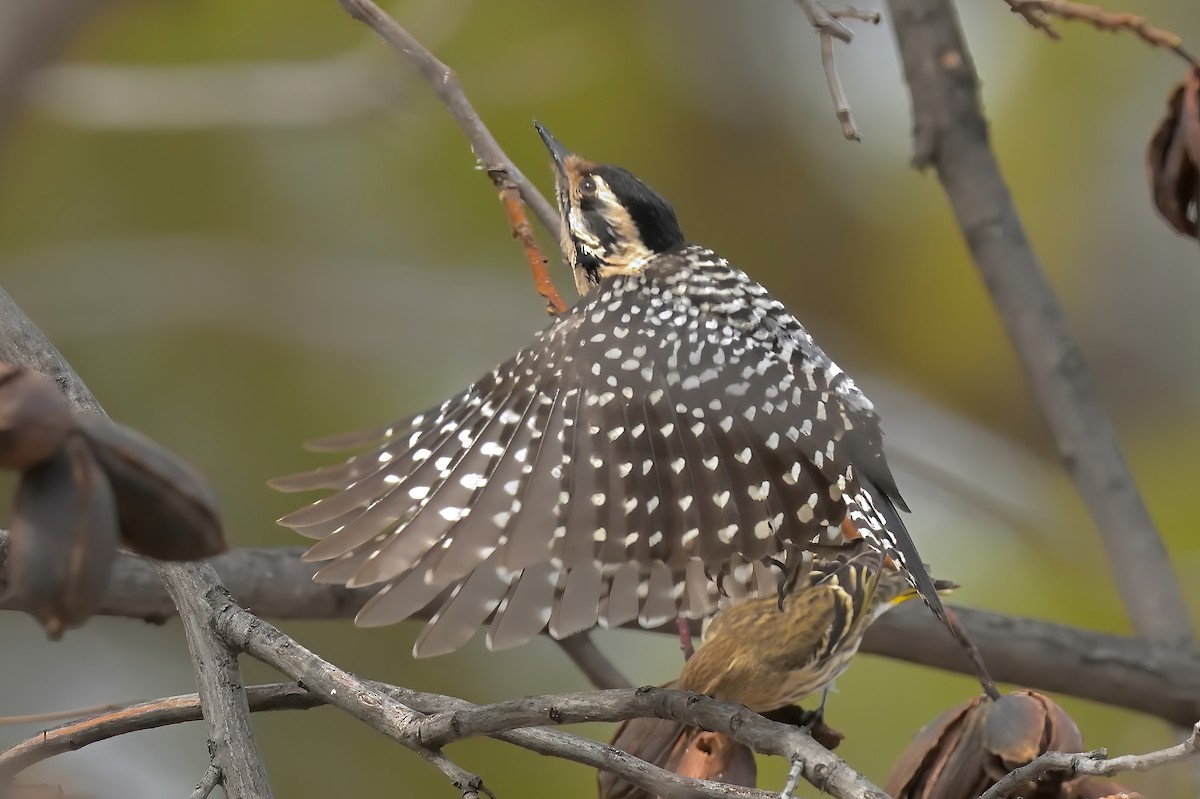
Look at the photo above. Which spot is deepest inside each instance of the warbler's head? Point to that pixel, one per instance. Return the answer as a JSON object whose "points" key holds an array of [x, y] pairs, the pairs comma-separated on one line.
{"points": [[612, 223], [894, 588]]}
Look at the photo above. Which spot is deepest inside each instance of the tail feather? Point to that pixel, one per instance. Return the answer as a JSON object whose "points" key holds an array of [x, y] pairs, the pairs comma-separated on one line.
{"points": [[918, 575]]}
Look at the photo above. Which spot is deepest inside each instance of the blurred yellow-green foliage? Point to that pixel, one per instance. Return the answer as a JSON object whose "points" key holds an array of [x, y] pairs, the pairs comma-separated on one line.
{"points": [[248, 224]]}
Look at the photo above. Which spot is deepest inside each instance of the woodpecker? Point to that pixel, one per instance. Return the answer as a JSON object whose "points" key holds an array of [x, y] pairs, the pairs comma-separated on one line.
{"points": [[677, 424]]}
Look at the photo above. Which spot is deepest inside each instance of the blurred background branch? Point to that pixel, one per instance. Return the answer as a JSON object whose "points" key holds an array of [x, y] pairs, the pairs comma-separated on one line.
{"points": [[1039, 12], [951, 135], [314, 92], [32, 35]]}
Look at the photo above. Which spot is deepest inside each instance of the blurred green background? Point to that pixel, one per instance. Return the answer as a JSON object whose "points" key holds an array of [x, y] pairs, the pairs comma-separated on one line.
{"points": [[249, 224]]}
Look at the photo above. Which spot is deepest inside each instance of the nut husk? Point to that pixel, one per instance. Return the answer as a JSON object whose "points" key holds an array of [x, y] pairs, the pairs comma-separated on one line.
{"points": [[166, 509], [63, 539]]}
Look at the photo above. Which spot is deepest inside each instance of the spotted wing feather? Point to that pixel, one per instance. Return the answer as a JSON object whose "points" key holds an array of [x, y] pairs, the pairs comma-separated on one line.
{"points": [[749, 442]]}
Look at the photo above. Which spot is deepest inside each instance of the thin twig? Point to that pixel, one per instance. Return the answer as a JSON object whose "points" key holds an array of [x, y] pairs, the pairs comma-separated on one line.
{"points": [[1092, 764], [841, 103], [1038, 13], [140, 716], [951, 134], [207, 783], [290, 696], [823, 21], [826, 22], [234, 749], [58, 715], [499, 167], [850, 12], [523, 232], [1116, 670], [599, 670]]}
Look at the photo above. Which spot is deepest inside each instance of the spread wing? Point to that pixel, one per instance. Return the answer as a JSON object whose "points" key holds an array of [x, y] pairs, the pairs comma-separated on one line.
{"points": [[666, 428]]}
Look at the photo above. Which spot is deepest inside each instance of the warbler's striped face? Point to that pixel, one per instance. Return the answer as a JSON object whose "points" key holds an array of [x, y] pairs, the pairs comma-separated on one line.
{"points": [[612, 223]]}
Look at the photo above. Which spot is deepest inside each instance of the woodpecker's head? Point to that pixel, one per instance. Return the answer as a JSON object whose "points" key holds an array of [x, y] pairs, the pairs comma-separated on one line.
{"points": [[612, 223]]}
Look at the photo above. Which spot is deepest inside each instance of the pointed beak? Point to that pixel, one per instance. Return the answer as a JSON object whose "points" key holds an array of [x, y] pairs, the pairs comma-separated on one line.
{"points": [[557, 151]]}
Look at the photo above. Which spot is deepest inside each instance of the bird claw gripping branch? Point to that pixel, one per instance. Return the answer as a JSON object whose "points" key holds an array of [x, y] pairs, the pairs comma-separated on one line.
{"points": [[677, 422]]}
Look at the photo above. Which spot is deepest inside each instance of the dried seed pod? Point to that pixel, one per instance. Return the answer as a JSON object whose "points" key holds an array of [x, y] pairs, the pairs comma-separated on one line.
{"points": [[684, 750], [1173, 158], [64, 538], [34, 417], [945, 759], [1022, 725], [165, 507], [966, 750], [699, 754]]}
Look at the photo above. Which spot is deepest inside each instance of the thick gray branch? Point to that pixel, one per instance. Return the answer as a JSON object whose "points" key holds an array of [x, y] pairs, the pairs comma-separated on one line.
{"points": [[951, 135], [234, 749], [1113, 669]]}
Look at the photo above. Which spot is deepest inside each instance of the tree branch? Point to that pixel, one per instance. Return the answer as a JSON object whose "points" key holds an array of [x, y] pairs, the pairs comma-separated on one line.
{"points": [[209, 781], [1092, 764], [599, 670], [1113, 669], [1038, 12], [141, 716], [827, 23], [951, 135], [504, 174], [290, 696], [402, 722], [233, 748], [248, 633]]}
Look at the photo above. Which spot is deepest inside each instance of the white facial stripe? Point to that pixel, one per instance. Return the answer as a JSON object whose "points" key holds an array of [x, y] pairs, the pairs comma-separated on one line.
{"points": [[628, 255]]}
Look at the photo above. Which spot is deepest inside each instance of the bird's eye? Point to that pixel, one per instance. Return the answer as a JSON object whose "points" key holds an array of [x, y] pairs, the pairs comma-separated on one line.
{"points": [[587, 187]]}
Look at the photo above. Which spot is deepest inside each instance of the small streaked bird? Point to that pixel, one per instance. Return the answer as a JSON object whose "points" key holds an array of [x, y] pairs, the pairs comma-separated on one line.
{"points": [[677, 430], [768, 656]]}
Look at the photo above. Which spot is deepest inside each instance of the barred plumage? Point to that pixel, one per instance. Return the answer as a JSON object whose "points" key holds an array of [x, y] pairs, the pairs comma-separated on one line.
{"points": [[677, 422], [768, 656]]}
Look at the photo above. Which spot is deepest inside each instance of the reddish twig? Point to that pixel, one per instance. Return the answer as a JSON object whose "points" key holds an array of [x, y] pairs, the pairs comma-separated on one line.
{"points": [[1039, 12], [523, 232], [58, 715], [140, 716]]}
